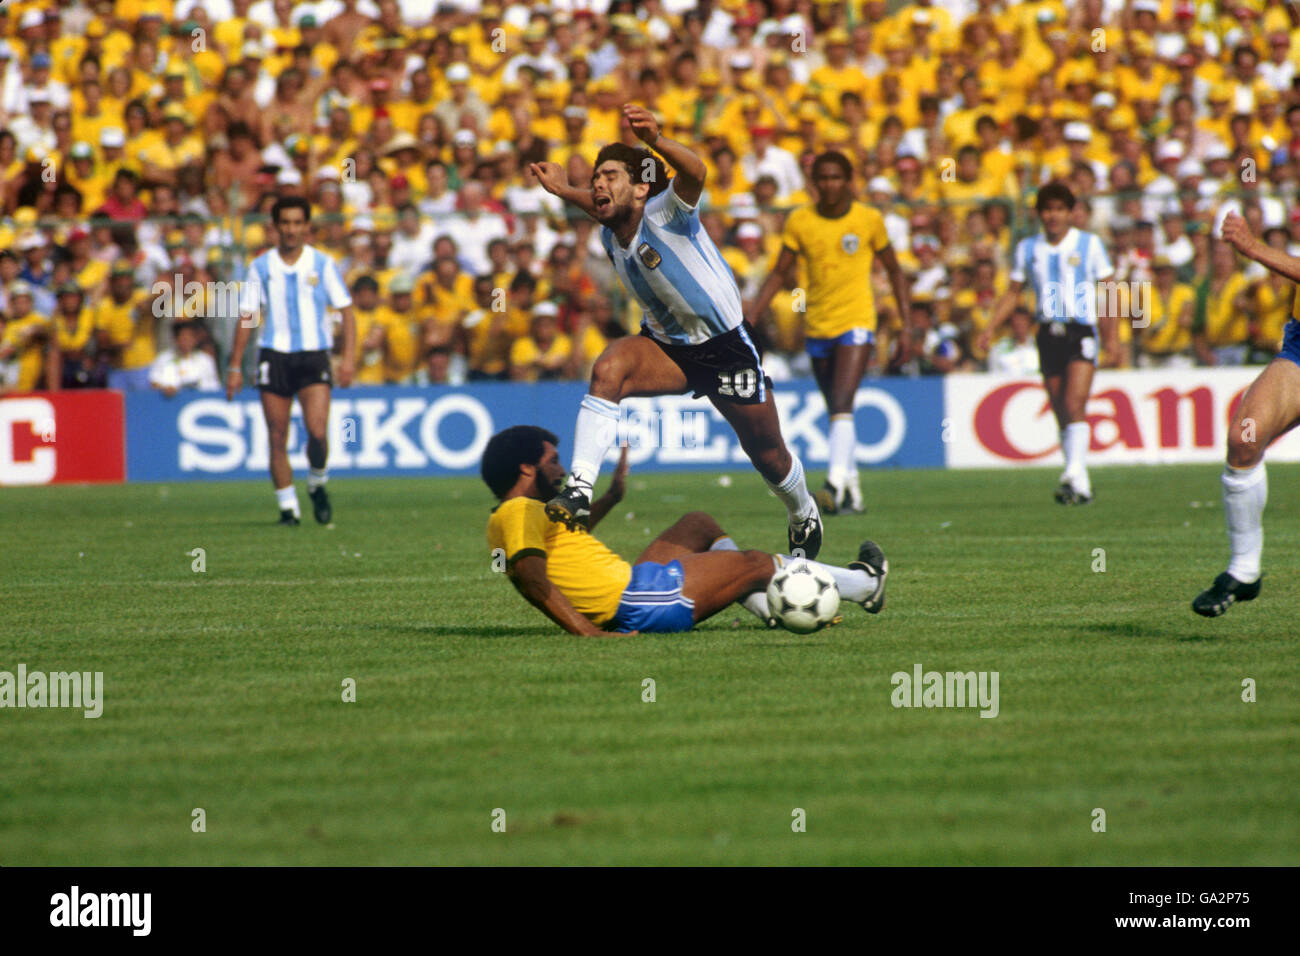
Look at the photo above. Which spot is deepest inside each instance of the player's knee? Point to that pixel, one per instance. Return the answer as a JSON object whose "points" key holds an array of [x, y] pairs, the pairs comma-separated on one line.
{"points": [[760, 567], [607, 377], [1245, 448]]}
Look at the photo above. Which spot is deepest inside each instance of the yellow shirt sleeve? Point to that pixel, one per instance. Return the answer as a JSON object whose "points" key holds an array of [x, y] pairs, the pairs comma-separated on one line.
{"points": [[518, 529]]}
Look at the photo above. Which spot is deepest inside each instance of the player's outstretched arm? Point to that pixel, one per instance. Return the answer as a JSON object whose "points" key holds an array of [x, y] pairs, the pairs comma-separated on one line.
{"points": [[617, 486], [690, 169], [902, 293], [555, 182], [1237, 231], [528, 575], [775, 280]]}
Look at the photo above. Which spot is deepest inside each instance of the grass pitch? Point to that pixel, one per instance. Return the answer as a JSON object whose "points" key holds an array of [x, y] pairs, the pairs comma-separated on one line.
{"points": [[223, 689]]}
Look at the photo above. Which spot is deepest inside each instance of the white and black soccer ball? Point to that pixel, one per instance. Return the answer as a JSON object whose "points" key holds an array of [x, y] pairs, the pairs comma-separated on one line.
{"points": [[802, 597]]}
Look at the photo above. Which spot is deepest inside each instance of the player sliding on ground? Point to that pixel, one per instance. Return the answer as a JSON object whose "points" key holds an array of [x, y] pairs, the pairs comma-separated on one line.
{"points": [[839, 239], [687, 574], [1064, 264], [692, 334], [1269, 409]]}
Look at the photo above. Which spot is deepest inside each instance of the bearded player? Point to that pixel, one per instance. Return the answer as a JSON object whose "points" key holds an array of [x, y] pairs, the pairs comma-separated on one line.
{"points": [[1269, 409], [693, 334], [839, 240], [689, 573]]}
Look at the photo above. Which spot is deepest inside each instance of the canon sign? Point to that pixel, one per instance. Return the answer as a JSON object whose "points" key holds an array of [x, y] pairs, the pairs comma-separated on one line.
{"points": [[1148, 417]]}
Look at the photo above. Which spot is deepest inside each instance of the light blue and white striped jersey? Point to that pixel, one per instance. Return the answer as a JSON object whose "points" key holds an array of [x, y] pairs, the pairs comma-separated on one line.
{"points": [[1064, 276], [686, 289], [294, 302]]}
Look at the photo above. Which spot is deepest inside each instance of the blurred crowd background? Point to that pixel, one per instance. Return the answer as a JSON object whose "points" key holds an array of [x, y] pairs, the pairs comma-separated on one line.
{"points": [[142, 143]]}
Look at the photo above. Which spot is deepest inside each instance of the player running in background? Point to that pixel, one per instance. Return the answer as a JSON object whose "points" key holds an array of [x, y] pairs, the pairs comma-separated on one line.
{"points": [[1269, 409], [1064, 264], [689, 573], [289, 291], [839, 239], [692, 334]]}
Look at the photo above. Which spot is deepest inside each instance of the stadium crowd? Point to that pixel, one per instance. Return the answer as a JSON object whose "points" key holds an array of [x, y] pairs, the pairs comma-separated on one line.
{"points": [[142, 143]]}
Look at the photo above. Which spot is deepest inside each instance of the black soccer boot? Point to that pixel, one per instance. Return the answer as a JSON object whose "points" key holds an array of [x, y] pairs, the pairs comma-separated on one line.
{"points": [[1223, 593], [872, 560], [805, 537], [320, 505]]}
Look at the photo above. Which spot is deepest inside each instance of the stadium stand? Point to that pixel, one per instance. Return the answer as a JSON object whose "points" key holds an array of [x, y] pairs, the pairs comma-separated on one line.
{"points": [[142, 143]]}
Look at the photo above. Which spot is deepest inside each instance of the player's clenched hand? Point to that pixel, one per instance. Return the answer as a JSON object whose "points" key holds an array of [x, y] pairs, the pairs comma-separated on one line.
{"points": [[347, 371], [1236, 231], [550, 175], [234, 382], [643, 123]]}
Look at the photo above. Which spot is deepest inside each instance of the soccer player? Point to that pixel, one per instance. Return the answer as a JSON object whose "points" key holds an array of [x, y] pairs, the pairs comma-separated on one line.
{"points": [[692, 334], [1269, 409], [839, 239], [289, 292], [687, 574], [1064, 264]]}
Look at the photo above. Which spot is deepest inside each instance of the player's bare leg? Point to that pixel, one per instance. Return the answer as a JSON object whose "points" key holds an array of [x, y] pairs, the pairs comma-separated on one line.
{"points": [[1269, 409], [315, 402], [628, 367], [1068, 394], [759, 429], [838, 377], [276, 409]]}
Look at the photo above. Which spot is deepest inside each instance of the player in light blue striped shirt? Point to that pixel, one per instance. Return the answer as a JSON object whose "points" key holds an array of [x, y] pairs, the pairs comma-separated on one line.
{"points": [[693, 335], [1064, 265], [290, 291]]}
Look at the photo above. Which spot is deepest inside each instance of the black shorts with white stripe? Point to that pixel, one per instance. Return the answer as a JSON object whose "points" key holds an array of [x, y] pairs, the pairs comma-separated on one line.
{"points": [[727, 366]]}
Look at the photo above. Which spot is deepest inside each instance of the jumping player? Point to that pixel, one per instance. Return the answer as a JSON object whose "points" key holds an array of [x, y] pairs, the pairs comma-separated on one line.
{"points": [[1064, 264], [1269, 409], [289, 291], [687, 574], [839, 240], [692, 334]]}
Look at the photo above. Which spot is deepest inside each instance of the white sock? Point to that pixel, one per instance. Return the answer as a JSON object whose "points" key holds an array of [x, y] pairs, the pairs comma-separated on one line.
{"points": [[854, 584], [844, 440], [756, 603], [793, 491], [288, 500], [596, 431], [1075, 438], [317, 477], [1245, 492]]}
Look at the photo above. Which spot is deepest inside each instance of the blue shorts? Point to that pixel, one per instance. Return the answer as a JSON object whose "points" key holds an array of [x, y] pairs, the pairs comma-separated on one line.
{"points": [[821, 348], [1291, 342], [653, 600]]}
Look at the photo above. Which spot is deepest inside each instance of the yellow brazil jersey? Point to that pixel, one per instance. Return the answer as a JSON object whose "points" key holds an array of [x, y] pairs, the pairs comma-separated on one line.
{"points": [[138, 340], [838, 255], [26, 336], [74, 338], [590, 575], [1273, 306], [1225, 324], [524, 353], [1165, 336]]}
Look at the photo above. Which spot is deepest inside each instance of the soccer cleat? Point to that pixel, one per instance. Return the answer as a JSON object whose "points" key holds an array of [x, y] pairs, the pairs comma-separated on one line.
{"points": [[571, 507], [320, 505], [1223, 593], [1065, 494], [851, 503], [828, 499], [805, 537], [287, 517], [872, 560]]}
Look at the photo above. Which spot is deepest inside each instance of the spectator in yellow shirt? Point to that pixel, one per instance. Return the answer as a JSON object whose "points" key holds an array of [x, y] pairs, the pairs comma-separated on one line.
{"points": [[74, 326], [127, 329], [23, 344], [543, 353]]}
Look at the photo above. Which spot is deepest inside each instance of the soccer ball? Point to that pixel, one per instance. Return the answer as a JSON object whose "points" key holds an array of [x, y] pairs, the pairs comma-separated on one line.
{"points": [[803, 598]]}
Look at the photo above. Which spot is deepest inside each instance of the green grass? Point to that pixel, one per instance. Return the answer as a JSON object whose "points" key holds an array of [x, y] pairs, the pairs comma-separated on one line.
{"points": [[223, 689]]}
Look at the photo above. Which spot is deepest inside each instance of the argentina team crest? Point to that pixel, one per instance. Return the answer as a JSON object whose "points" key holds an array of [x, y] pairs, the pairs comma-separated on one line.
{"points": [[649, 257], [849, 243]]}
